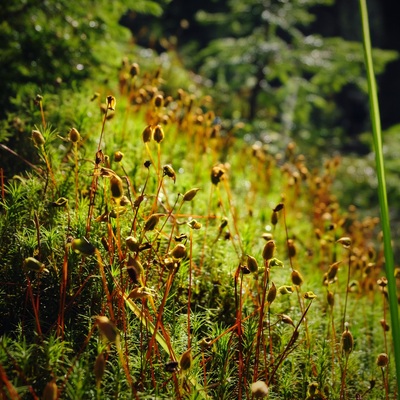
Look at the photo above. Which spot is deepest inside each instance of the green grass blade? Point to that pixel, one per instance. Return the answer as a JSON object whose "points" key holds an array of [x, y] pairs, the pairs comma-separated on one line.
{"points": [[377, 139], [161, 341]]}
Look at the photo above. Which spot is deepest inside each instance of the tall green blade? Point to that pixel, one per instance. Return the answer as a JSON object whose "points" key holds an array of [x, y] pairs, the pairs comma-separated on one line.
{"points": [[377, 139]]}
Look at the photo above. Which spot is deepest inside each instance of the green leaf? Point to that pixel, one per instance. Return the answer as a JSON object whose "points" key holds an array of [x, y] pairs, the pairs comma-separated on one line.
{"points": [[150, 326]]}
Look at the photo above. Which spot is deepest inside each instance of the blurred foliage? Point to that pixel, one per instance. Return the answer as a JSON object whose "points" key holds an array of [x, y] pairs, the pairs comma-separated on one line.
{"points": [[48, 43], [47, 47], [253, 57], [265, 67], [257, 59], [45, 43], [359, 175]]}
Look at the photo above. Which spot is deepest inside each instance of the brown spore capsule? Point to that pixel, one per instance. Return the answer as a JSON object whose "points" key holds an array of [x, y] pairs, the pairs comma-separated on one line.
{"points": [[279, 207], [259, 389], [151, 222], [107, 328], [190, 194], [267, 236], [296, 278], [382, 360], [286, 319], [332, 271], [171, 366], [158, 134], [186, 360], [158, 101], [38, 138], [269, 250], [384, 325], [179, 251], [382, 282], [291, 248], [347, 340], [118, 156], [50, 391], [217, 174], [132, 243], [274, 218], [116, 186], [224, 223], [32, 264], [169, 171], [111, 102], [271, 295], [147, 134], [74, 135], [345, 242], [252, 264], [135, 70]]}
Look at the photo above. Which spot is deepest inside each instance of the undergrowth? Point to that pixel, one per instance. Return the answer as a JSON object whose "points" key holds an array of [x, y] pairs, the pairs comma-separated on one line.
{"points": [[147, 252]]}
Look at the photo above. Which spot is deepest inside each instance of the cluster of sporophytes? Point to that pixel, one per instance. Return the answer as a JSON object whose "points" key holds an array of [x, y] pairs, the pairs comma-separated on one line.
{"points": [[152, 254]]}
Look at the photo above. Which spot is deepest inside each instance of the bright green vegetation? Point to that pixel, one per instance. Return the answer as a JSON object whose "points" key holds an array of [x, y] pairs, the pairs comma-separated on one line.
{"points": [[150, 249], [205, 255]]}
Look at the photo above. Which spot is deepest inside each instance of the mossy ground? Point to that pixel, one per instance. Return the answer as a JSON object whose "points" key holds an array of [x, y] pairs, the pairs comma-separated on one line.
{"points": [[192, 320]]}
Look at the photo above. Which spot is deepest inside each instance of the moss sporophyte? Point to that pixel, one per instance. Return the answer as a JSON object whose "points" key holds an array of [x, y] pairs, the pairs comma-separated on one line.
{"points": [[149, 250]]}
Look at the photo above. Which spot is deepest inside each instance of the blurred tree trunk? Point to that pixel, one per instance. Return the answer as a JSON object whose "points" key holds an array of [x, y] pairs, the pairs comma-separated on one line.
{"points": [[253, 103]]}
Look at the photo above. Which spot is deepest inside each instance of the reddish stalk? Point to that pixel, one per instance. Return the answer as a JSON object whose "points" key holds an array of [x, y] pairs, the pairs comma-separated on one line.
{"points": [[238, 301], [385, 381], [347, 290], [10, 388], [261, 319], [203, 250], [105, 286], [333, 341], [63, 293], [290, 344], [35, 306], [271, 352], [77, 293], [190, 286], [119, 242], [34, 167], [158, 323]]}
